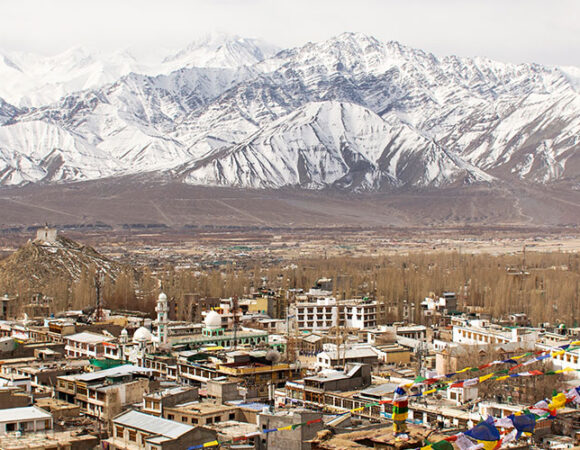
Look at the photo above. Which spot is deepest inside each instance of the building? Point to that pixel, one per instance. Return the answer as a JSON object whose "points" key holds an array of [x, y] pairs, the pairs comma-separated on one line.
{"points": [[86, 345], [201, 413], [134, 430], [105, 393], [294, 438], [25, 420], [439, 305], [479, 332], [156, 402], [325, 313], [7, 307], [46, 234], [214, 334], [393, 354], [333, 359]]}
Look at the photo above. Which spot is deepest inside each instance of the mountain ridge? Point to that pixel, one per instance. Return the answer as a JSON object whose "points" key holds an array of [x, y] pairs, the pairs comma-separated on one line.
{"points": [[468, 119]]}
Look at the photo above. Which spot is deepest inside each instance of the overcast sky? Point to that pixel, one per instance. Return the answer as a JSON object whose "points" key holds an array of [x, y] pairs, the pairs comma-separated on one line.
{"points": [[544, 31]]}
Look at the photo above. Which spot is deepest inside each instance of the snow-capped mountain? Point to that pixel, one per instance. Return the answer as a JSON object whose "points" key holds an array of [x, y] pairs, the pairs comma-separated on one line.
{"points": [[28, 79], [332, 143], [351, 112]]}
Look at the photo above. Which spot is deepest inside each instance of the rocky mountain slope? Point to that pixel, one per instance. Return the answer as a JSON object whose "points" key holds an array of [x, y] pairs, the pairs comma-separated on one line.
{"points": [[39, 262], [351, 112]]}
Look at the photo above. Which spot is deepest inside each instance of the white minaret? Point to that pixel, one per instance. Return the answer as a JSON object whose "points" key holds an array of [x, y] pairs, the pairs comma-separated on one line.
{"points": [[162, 309]]}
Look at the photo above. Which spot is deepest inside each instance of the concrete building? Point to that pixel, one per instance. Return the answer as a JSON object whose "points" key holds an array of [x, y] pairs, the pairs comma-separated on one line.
{"points": [[133, 430], [201, 413], [86, 345], [479, 332], [295, 439], [46, 234], [25, 420], [155, 403], [333, 359], [327, 312], [105, 393]]}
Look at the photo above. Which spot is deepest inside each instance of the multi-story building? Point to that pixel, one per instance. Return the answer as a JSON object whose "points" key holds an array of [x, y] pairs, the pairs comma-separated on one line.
{"points": [[103, 394], [155, 403], [86, 345], [480, 332], [327, 312]]}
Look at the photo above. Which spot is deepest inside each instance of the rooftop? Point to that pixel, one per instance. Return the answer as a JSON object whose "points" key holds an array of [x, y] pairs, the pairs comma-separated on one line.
{"points": [[364, 352], [87, 337], [152, 424], [25, 413], [113, 372]]}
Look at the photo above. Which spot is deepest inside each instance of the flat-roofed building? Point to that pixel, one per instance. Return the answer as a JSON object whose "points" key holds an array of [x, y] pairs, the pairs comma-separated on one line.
{"points": [[103, 394], [25, 420], [86, 345], [201, 413], [333, 359]]}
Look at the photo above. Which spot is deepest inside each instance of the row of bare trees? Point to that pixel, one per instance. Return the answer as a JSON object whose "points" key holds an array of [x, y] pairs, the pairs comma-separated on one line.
{"points": [[547, 288]]}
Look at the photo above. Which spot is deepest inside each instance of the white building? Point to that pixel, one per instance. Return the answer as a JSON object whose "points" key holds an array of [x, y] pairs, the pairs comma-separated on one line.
{"points": [[86, 345], [333, 359], [327, 312], [26, 419], [480, 332]]}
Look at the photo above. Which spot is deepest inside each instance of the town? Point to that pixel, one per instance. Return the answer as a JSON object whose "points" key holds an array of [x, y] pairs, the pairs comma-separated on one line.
{"points": [[302, 367]]}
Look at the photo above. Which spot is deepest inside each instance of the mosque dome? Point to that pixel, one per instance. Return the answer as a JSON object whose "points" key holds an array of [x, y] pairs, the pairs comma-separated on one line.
{"points": [[162, 297], [124, 332], [213, 320], [142, 335]]}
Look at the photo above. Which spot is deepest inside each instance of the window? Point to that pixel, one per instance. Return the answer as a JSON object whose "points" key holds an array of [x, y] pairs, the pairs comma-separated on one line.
{"points": [[133, 435], [170, 416], [183, 419], [232, 416], [209, 420], [193, 421], [118, 431]]}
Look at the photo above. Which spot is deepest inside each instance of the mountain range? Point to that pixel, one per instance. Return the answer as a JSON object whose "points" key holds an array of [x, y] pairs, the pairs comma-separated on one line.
{"points": [[349, 113]]}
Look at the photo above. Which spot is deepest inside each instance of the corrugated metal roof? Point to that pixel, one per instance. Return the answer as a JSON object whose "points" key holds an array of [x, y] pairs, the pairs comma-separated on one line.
{"points": [[113, 372], [25, 413], [152, 424]]}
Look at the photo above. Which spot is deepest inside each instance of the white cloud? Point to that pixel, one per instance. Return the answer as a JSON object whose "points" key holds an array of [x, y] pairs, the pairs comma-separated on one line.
{"points": [[508, 30]]}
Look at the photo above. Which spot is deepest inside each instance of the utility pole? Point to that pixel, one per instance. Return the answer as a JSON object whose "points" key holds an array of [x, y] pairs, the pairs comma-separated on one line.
{"points": [[99, 305], [235, 312]]}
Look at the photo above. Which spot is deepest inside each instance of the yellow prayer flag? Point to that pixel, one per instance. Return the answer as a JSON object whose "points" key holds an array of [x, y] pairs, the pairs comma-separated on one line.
{"points": [[485, 377], [211, 444]]}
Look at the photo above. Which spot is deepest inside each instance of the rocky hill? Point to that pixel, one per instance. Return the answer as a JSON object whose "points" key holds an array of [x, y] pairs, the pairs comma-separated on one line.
{"points": [[61, 260]]}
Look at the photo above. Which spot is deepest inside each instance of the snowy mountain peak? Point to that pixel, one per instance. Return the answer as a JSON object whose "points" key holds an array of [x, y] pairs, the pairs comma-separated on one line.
{"points": [[221, 50], [351, 112]]}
